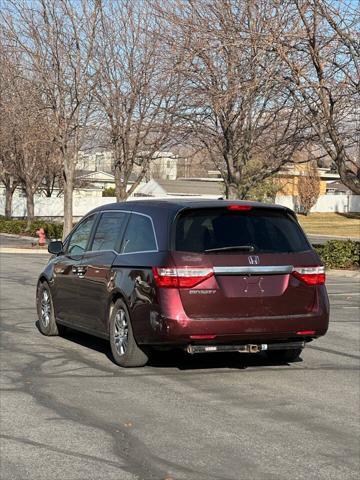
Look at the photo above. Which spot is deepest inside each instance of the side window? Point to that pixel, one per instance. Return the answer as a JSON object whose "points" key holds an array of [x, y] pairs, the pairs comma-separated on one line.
{"points": [[80, 237], [139, 235], [109, 231]]}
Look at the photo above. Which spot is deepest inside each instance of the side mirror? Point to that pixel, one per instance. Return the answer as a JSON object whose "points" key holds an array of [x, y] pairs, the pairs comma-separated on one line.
{"points": [[55, 247]]}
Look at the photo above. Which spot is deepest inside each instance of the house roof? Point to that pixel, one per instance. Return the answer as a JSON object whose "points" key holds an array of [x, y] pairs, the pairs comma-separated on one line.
{"points": [[294, 171], [97, 175], [337, 186], [182, 188]]}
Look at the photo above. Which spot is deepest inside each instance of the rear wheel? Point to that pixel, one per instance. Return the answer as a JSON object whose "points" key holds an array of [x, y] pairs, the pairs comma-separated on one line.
{"points": [[45, 309], [124, 348], [284, 356]]}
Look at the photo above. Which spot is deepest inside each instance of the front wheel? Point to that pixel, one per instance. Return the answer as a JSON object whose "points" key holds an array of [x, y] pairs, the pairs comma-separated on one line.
{"points": [[45, 309], [124, 348], [284, 356]]}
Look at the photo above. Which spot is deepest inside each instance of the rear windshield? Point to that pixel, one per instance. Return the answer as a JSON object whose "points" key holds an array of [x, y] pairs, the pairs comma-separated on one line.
{"points": [[262, 230]]}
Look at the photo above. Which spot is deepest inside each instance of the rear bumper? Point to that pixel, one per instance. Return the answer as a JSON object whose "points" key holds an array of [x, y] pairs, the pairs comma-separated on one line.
{"points": [[225, 331], [172, 326]]}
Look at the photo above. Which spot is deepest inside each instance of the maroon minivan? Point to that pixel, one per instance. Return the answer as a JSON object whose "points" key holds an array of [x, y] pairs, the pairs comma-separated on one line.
{"points": [[203, 275]]}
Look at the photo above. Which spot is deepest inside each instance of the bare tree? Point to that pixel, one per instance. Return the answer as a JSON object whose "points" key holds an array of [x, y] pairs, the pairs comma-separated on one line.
{"points": [[318, 42], [237, 106], [8, 138], [308, 187], [56, 38], [8, 173], [25, 137], [137, 89]]}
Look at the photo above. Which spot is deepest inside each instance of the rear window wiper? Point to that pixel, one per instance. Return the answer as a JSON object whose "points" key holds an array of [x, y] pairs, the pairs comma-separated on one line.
{"points": [[244, 248]]}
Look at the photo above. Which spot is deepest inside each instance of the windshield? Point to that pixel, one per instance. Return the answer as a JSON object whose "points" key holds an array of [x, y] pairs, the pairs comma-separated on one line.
{"points": [[218, 230]]}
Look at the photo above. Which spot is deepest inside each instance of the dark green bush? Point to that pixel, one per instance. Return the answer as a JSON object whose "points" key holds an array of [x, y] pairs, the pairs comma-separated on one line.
{"points": [[12, 226], [339, 253], [109, 192], [52, 229]]}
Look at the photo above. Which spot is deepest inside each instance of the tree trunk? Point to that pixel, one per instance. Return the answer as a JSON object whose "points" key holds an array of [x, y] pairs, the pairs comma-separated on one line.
{"points": [[120, 186], [10, 187], [69, 174], [29, 207], [8, 202], [349, 179], [232, 193]]}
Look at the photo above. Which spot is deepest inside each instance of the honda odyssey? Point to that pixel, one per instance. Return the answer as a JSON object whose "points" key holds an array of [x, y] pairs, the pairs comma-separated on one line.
{"points": [[202, 275]]}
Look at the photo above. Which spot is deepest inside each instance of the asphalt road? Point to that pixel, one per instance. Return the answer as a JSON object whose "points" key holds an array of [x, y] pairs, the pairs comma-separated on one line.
{"points": [[67, 412]]}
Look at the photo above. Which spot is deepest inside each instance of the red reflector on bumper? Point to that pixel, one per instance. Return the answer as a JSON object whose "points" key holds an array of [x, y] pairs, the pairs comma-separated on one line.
{"points": [[306, 332], [202, 337]]}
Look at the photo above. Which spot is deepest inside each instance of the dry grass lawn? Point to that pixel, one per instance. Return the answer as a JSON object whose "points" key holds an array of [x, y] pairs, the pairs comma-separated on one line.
{"points": [[336, 224]]}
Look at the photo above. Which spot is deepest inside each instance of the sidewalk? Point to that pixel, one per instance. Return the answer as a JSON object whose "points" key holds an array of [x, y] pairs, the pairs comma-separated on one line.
{"points": [[319, 239], [42, 250], [10, 243], [344, 273]]}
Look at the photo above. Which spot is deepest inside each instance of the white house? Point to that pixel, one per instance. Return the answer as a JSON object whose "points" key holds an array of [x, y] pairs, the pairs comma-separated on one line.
{"points": [[163, 166], [97, 179]]}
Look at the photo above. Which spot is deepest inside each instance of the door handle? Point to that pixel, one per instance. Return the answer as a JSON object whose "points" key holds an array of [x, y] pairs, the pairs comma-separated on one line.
{"points": [[81, 270]]}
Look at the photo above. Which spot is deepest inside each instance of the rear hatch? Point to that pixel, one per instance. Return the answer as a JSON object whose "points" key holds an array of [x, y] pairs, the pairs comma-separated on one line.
{"points": [[242, 261]]}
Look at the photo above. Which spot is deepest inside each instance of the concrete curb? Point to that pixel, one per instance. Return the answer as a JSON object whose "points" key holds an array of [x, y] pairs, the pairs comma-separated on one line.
{"points": [[332, 237], [24, 250], [21, 237]]}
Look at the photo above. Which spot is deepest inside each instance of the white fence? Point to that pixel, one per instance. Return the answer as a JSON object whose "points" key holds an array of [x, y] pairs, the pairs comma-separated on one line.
{"points": [[325, 203], [49, 207], [53, 207]]}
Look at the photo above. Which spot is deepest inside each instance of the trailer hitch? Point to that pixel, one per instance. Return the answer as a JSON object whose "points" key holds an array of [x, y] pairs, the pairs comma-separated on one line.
{"points": [[247, 348]]}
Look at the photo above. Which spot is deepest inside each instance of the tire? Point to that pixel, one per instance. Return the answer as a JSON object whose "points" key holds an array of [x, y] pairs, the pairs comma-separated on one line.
{"points": [[124, 348], [45, 309], [284, 356]]}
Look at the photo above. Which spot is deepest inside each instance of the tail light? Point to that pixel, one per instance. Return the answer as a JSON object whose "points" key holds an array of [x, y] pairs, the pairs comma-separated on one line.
{"points": [[180, 277], [310, 275]]}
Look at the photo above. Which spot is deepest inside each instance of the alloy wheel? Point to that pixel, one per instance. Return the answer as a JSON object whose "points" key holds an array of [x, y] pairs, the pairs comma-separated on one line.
{"points": [[45, 308], [121, 331]]}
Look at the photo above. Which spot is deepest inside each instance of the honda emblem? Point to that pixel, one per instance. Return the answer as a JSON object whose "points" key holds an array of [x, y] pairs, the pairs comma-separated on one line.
{"points": [[254, 259]]}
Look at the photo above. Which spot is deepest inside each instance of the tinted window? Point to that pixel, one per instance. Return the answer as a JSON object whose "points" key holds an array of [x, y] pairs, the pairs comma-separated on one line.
{"points": [[80, 237], [109, 231], [265, 230], [139, 235]]}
